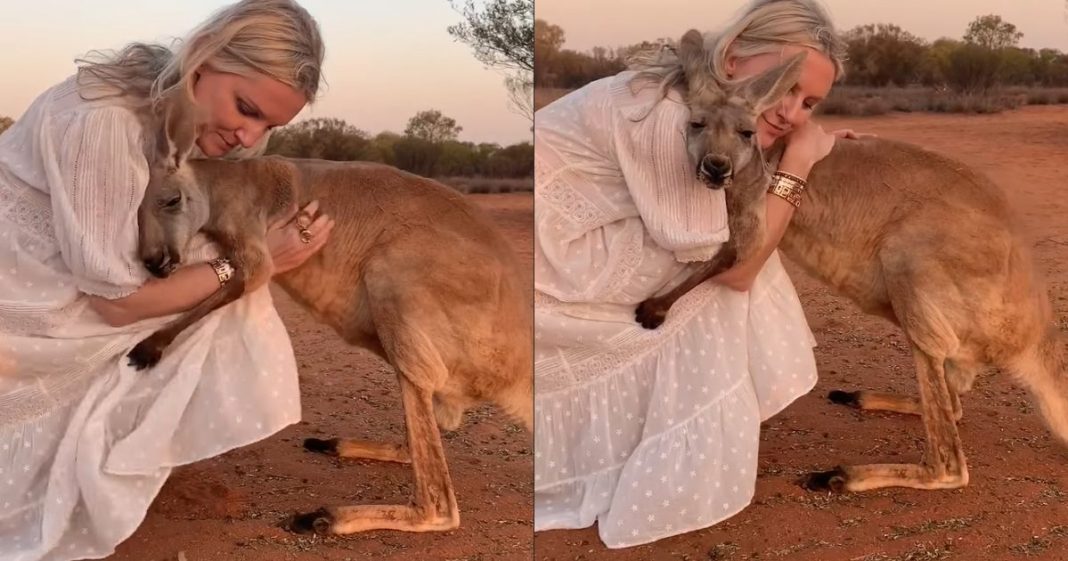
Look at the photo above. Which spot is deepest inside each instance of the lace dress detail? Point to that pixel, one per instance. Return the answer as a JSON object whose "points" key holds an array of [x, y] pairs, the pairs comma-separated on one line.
{"points": [[88, 440], [647, 433]]}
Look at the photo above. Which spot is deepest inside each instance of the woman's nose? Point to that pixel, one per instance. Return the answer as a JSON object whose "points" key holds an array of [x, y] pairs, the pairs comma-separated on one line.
{"points": [[790, 109], [249, 135]]}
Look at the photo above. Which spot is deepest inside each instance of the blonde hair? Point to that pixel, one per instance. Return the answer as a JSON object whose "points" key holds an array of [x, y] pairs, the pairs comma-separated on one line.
{"points": [[276, 38], [763, 26]]}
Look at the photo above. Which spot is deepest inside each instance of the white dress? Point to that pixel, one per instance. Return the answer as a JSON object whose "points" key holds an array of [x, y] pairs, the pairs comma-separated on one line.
{"points": [[647, 433], [86, 441]]}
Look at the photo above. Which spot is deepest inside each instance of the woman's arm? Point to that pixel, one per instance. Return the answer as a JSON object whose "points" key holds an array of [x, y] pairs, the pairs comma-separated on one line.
{"points": [[179, 292], [191, 285], [810, 145]]}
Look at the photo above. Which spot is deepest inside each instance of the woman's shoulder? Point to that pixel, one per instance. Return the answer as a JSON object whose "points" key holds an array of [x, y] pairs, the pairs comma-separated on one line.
{"points": [[624, 95], [636, 95], [70, 101]]}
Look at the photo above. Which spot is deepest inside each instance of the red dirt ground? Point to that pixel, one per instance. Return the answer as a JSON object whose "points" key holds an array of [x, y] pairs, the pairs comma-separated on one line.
{"points": [[227, 508], [1014, 507]]}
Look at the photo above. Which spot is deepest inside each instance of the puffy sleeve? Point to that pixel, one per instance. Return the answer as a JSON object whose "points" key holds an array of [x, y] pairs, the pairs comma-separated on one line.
{"points": [[586, 244], [681, 214], [590, 244], [97, 174]]}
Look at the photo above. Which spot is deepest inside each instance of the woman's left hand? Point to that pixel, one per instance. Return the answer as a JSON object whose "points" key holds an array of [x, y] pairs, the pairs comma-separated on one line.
{"points": [[284, 239], [805, 146], [850, 134]]}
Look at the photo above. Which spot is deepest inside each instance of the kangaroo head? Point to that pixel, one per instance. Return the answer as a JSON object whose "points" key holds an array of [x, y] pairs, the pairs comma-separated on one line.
{"points": [[721, 136], [174, 207]]}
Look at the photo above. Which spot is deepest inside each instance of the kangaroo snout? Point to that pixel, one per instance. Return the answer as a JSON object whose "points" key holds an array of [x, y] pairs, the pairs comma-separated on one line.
{"points": [[161, 263], [716, 171]]}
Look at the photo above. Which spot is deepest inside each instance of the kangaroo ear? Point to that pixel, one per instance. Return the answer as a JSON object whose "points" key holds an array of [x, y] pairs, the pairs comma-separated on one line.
{"points": [[694, 60], [177, 131], [692, 52], [766, 89]]}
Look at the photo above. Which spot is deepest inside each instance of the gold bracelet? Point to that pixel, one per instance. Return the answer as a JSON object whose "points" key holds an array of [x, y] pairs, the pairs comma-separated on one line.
{"points": [[803, 182], [223, 269], [787, 189]]}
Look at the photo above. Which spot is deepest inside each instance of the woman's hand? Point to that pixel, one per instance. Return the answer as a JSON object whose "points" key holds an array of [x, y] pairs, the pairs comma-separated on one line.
{"points": [[288, 251], [850, 134], [805, 146]]}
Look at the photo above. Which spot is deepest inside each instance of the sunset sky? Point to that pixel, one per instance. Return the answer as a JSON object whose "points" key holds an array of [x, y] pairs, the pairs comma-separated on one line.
{"points": [[615, 23], [385, 60]]}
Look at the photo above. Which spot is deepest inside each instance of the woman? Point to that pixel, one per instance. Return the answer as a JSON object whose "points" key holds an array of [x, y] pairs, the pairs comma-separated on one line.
{"points": [[655, 433], [86, 441]]}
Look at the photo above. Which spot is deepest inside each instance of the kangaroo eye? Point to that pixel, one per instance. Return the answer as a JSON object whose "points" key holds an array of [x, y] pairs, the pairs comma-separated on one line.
{"points": [[747, 134], [694, 125], [172, 202]]}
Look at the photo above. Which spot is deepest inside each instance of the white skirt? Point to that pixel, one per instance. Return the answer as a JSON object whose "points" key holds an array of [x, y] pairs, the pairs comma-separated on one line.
{"points": [[86, 441], [655, 433]]}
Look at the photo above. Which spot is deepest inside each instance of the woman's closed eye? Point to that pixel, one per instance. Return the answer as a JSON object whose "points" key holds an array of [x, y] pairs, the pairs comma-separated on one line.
{"points": [[248, 110]]}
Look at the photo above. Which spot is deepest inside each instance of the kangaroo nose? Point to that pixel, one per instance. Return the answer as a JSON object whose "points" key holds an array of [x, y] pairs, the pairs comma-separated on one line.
{"points": [[160, 264], [717, 169]]}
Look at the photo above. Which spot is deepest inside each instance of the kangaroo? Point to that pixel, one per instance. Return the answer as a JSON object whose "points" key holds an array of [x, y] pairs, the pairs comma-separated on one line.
{"points": [[412, 272], [930, 245], [721, 143]]}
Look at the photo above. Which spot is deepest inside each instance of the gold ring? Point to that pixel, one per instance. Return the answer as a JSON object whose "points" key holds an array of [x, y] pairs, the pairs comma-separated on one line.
{"points": [[304, 220], [305, 235]]}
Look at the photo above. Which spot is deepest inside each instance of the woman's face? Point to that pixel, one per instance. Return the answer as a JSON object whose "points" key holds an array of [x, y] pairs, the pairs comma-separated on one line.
{"points": [[240, 109], [795, 109]]}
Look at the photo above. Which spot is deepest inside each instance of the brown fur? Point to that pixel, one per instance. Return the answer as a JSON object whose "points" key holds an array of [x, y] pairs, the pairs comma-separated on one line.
{"points": [[412, 271], [930, 245], [722, 145]]}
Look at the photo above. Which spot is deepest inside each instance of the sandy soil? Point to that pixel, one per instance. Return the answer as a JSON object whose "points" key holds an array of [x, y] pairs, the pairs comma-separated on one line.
{"points": [[228, 507], [1015, 506]]}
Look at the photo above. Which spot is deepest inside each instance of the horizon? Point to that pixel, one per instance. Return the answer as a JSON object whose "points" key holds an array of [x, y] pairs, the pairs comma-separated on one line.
{"points": [[384, 62], [1044, 23]]}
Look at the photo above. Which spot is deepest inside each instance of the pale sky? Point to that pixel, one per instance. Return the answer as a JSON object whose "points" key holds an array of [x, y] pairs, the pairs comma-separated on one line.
{"points": [[385, 59], [616, 23]]}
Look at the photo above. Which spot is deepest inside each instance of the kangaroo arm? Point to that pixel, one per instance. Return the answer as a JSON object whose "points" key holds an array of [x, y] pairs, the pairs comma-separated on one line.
{"points": [[184, 289], [740, 277]]}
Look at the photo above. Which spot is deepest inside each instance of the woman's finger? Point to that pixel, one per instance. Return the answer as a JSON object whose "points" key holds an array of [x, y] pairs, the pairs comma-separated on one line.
{"points": [[285, 218], [319, 223], [311, 209], [317, 242], [320, 232]]}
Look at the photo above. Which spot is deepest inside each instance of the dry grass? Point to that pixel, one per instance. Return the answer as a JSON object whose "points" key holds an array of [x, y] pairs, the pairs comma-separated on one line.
{"points": [[866, 102], [860, 101], [922, 552], [471, 185]]}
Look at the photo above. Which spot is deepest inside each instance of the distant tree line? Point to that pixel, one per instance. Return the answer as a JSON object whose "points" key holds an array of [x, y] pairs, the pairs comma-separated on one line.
{"points": [[428, 147], [879, 55]]}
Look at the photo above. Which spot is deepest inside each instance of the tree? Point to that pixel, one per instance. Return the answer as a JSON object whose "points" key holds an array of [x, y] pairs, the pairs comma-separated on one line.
{"points": [[417, 155], [881, 54], [548, 39], [382, 147], [501, 32], [521, 95], [432, 127], [1018, 66], [935, 61], [5, 123], [991, 32], [327, 139], [972, 69], [458, 159]]}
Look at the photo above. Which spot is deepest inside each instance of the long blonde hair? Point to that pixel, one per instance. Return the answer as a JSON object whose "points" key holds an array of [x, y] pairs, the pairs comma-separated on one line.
{"points": [[276, 38], [763, 26]]}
